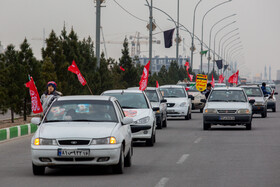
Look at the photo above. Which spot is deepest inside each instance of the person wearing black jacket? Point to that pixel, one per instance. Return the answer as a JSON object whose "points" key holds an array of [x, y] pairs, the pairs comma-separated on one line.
{"points": [[208, 90]]}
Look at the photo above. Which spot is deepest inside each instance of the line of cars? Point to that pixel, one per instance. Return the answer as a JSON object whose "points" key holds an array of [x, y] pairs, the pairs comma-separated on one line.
{"points": [[100, 130], [231, 106]]}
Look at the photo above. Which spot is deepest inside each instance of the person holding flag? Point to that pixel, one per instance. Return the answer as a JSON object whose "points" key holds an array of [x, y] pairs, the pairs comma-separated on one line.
{"points": [[208, 90], [49, 95]]}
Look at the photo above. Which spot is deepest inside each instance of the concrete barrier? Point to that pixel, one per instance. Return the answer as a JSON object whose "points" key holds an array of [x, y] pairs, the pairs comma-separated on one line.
{"points": [[17, 131]]}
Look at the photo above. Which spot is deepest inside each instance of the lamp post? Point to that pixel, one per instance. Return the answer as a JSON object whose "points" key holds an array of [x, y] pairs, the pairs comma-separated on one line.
{"points": [[229, 39], [224, 37], [192, 46], [202, 29], [177, 34], [224, 51], [210, 37], [232, 48]]}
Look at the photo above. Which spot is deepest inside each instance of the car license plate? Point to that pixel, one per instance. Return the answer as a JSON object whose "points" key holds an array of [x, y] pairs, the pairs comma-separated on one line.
{"points": [[73, 152], [227, 118]]}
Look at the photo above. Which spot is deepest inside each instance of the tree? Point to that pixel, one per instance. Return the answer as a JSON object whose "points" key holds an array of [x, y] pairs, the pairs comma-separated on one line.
{"points": [[3, 90], [173, 73], [163, 76]]}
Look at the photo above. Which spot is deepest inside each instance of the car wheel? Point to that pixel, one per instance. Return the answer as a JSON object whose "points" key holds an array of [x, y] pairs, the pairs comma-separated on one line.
{"points": [[263, 115], [190, 115], [201, 110], [274, 109], [164, 124], [187, 117], [150, 142], [249, 126], [206, 126], [119, 168], [128, 158], [38, 170]]}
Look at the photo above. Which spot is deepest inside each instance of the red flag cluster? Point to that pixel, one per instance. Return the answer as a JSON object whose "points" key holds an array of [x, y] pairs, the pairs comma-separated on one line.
{"points": [[221, 79], [36, 105], [187, 64], [74, 69], [144, 79], [234, 78]]}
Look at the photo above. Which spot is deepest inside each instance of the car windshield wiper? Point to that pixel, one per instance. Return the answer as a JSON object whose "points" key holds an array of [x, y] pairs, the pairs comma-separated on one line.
{"points": [[50, 121], [217, 101], [235, 101], [128, 107], [153, 101]]}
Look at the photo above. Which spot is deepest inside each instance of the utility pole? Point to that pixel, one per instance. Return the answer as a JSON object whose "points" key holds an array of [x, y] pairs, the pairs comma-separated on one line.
{"points": [[177, 35], [151, 32], [97, 40]]}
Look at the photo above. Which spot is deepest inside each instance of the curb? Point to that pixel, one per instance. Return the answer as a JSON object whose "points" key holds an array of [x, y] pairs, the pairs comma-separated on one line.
{"points": [[17, 131]]}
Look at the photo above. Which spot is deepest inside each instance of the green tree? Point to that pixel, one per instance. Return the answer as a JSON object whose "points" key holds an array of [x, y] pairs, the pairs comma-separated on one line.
{"points": [[163, 76], [173, 73], [3, 90]]}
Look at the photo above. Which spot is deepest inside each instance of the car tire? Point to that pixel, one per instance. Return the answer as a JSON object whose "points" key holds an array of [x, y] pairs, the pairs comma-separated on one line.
{"points": [[274, 109], [164, 124], [201, 110], [190, 115], [187, 117], [150, 142], [128, 158], [263, 115], [249, 126], [119, 168], [38, 170], [206, 126]]}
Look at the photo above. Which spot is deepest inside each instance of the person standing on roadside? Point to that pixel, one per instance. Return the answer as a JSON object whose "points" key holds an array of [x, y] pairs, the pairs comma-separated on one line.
{"points": [[49, 96]]}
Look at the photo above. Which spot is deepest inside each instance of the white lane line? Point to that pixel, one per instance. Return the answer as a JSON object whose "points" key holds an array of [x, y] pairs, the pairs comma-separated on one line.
{"points": [[183, 159], [198, 140], [162, 182]]}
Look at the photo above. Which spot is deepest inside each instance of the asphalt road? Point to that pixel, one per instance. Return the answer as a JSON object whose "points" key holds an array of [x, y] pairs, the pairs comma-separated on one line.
{"points": [[184, 155]]}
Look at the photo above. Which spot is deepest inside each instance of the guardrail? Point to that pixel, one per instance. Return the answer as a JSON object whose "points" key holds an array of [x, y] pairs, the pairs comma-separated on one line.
{"points": [[17, 131]]}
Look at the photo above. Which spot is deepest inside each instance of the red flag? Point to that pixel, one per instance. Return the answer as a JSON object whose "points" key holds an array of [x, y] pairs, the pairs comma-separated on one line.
{"points": [[121, 68], [190, 76], [213, 81], [187, 64], [157, 84], [234, 78], [221, 79], [187, 88], [74, 69], [144, 79], [36, 105]]}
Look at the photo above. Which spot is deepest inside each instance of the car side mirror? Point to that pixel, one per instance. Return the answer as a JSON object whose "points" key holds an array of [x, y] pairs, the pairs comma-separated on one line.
{"points": [[127, 120], [155, 109], [36, 121], [137, 128], [203, 100], [276, 93], [252, 101], [191, 97], [163, 101]]}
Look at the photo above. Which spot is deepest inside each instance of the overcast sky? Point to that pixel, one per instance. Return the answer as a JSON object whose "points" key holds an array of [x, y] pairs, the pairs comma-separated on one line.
{"points": [[257, 20]]}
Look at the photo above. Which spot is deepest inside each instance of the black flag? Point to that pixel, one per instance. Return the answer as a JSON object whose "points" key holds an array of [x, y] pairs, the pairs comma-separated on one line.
{"points": [[225, 67], [219, 64], [168, 35]]}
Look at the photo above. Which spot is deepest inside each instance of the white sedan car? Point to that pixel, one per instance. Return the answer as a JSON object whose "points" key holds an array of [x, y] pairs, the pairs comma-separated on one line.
{"points": [[136, 105], [82, 130], [227, 106], [178, 101]]}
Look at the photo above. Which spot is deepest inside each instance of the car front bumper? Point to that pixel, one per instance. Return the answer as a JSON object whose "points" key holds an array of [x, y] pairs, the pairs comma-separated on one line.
{"points": [[216, 119], [197, 105], [271, 104], [258, 109], [97, 152], [144, 134], [177, 111]]}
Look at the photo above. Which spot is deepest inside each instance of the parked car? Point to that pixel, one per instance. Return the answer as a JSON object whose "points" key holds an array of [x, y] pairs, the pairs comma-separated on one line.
{"points": [[255, 92], [178, 101], [82, 130], [196, 102], [271, 99], [156, 99], [227, 106], [136, 105]]}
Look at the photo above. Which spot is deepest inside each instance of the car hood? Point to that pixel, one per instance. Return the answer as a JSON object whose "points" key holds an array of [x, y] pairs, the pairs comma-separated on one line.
{"points": [[177, 100], [76, 129], [137, 113], [227, 105]]}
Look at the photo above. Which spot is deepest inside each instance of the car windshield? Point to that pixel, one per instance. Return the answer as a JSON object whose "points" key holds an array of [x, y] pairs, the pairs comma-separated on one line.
{"points": [[152, 95], [253, 92], [82, 110], [173, 92], [227, 96], [130, 100]]}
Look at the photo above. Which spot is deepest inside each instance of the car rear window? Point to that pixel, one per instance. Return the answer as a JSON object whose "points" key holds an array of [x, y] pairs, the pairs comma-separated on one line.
{"points": [[227, 96], [173, 92], [252, 92], [152, 95]]}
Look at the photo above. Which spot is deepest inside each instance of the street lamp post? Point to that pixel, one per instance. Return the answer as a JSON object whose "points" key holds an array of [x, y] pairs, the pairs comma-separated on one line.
{"points": [[224, 37], [192, 46], [232, 48], [177, 35], [222, 51], [202, 29]]}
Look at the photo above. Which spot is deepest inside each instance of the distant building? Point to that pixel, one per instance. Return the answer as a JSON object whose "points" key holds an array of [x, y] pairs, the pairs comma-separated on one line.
{"points": [[278, 75], [158, 62], [1, 48]]}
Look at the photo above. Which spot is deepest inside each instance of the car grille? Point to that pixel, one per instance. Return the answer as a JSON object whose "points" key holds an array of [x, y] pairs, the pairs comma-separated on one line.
{"points": [[227, 111], [170, 104], [73, 142], [73, 159]]}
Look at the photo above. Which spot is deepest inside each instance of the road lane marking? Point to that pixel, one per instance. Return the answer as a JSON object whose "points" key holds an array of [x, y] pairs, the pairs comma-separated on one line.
{"points": [[162, 182], [198, 140], [183, 159]]}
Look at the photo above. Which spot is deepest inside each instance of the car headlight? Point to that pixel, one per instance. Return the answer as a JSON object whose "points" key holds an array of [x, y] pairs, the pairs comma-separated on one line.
{"points": [[44, 141], [243, 111], [258, 104], [210, 111], [108, 140], [142, 120], [183, 104]]}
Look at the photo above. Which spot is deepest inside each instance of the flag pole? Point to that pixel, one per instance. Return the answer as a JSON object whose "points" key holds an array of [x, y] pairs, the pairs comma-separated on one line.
{"points": [[89, 89]]}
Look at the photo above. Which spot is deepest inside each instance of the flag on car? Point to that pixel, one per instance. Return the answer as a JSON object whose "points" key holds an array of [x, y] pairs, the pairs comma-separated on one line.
{"points": [[121, 68], [234, 78], [144, 79], [213, 81], [74, 69], [168, 35], [221, 78], [157, 85], [36, 105]]}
